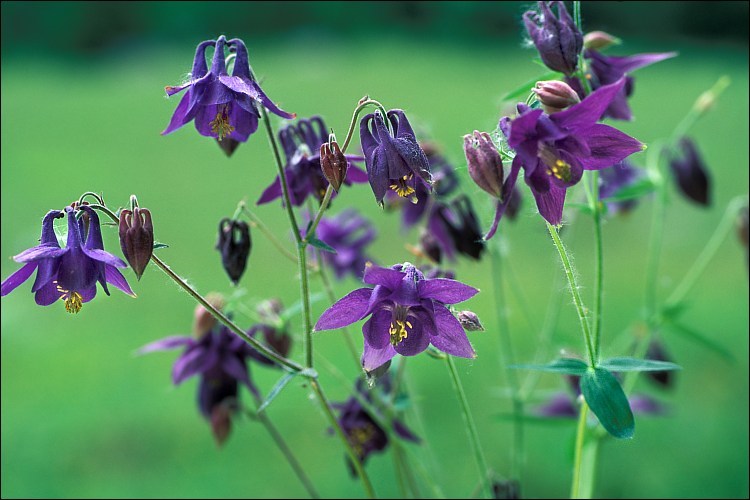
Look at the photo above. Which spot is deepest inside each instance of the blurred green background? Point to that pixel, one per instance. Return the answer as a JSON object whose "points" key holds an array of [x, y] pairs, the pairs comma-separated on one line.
{"points": [[82, 108]]}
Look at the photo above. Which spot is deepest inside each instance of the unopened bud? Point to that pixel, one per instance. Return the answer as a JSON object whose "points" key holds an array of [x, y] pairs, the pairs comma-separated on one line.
{"points": [[333, 162], [598, 40], [203, 320], [690, 172], [484, 162], [470, 321], [228, 145], [555, 95], [234, 244], [137, 238]]}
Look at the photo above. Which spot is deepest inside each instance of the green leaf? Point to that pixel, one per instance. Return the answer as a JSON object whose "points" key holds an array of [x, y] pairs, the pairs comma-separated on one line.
{"points": [[158, 245], [571, 366], [702, 339], [320, 244], [607, 400], [640, 188], [637, 365], [283, 381], [525, 89]]}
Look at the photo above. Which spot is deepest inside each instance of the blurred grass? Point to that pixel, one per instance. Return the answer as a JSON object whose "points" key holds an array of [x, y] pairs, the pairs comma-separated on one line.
{"points": [[83, 417]]}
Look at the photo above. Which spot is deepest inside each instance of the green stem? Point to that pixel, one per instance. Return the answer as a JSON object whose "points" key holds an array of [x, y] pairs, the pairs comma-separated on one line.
{"points": [[319, 215], [580, 434], [580, 309], [471, 428], [581, 73], [592, 193], [286, 451], [363, 103], [255, 220]]}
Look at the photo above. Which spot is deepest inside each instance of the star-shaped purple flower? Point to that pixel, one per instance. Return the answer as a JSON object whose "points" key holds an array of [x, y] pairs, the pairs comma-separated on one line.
{"points": [[69, 273], [407, 313], [222, 106], [301, 144], [554, 150]]}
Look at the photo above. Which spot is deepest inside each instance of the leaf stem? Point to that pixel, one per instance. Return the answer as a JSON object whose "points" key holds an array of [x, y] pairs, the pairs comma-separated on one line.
{"points": [[580, 433]]}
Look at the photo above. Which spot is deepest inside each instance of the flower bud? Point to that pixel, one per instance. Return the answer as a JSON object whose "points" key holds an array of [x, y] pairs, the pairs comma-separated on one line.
{"points": [[203, 320], [137, 238], [598, 40], [555, 95], [484, 162], [557, 38], [690, 173], [333, 162], [470, 321], [234, 244]]}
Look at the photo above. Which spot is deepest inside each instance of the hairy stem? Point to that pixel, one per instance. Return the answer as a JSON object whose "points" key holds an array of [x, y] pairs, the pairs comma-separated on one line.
{"points": [[580, 434]]}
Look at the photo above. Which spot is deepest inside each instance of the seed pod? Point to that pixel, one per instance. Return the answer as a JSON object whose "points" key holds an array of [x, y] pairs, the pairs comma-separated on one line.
{"points": [[137, 238], [470, 321], [234, 245], [484, 162]]}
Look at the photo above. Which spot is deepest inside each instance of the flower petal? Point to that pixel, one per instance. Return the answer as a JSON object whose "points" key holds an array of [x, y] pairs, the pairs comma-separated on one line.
{"points": [[180, 116], [271, 192], [194, 360], [103, 256], [376, 328], [46, 251], [115, 277], [376, 275], [445, 290], [373, 359], [450, 337], [346, 311], [48, 294], [404, 431], [416, 342], [167, 343], [590, 110], [550, 203], [608, 147], [15, 279]]}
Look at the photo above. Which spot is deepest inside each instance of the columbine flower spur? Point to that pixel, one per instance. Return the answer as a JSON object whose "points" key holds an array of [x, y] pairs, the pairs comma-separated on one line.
{"points": [[69, 273], [222, 106], [407, 313]]}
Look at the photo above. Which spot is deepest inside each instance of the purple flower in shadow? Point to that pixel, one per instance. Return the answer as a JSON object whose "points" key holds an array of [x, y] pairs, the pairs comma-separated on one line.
{"points": [[348, 233], [223, 106], [69, 273], [558, 39], [407, 312], [304, 176], [690, 172], [612, 180], [554, 150]]}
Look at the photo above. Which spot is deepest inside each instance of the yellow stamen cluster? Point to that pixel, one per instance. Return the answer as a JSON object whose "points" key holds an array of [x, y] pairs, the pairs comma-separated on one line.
{"points": [[359, 436], [561, 170], [398, 331], [402, 189], [73, 302], [220, 125]]}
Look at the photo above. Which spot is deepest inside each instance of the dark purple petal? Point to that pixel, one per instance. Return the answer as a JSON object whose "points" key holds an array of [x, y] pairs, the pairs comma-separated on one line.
{"points": [[416, 342], [46, 251], [115, 277], [374, 358], [180, 116], [349, 309], [626, 64], [271, 106], [193, 361], [88, 293], [586, 113], [105, 257], [354, 174], [389, 278], [507, 199], [236, 369], [404, 432], [376, 328], [445, 290], [245, 123], [523, 128], [48, 294], [271, 192], [559, 406], [450, 337], [167, 343], [608, 146], [646, 405], [14, 280], [550, 204]]}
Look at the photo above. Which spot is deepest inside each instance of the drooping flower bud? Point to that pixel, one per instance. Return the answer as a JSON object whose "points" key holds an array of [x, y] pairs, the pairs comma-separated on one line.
{"points": [[333, 162], [203, 320], [221, 423], [137, 238], [234, 244], [484, 162], [274, 329], [598, 40], [690, 173], [470, 321], [558, 39], [555, 95]]}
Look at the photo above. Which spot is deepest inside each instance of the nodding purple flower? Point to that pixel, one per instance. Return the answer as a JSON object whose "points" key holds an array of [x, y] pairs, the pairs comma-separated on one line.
{"points": [[558, 39], [69, 273], [691, 173], [362, 430], [234, 244], [606, 70], [393, 157], [304, 176], [223, 106], [349, 234], [407, 312], [612, 180], [455, 227], [219, 357], [554, 150]]}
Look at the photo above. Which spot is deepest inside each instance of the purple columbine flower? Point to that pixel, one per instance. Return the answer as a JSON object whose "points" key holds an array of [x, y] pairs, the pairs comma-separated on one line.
{"points": [[392, 156], [691, 173], [612, 180], [606, 70], [407, 313], [304, 176], [455, 228], [68, 273], [558, 39], [223, 106], [554, 150], [348, 233], [363, 432]]}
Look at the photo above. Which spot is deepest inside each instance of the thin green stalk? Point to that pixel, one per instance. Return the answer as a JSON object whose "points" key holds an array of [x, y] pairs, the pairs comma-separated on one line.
{"points": [[319, 215], [580, 433], [581, 73], [363, 103], [255, 220], [570, 275], [592, 194], [286, 451], [471, 428]]}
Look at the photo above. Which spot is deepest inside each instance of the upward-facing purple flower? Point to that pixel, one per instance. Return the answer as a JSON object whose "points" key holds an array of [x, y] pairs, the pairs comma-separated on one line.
{"points": [[222, 106], [304, 176], [554, 150], [69, 273], [407, 313], [392, 156], [348, 233], [558, 39]]}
